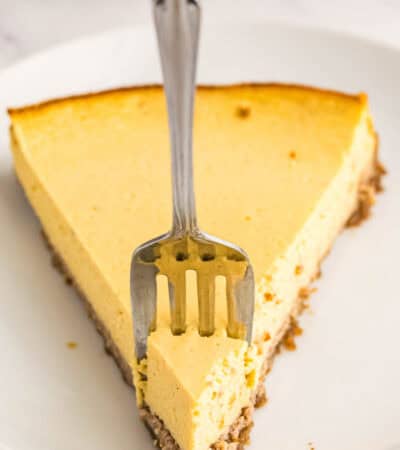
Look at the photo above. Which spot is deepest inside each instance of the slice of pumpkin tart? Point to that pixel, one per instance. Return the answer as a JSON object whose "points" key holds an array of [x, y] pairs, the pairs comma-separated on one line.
{"points": [[281, 170]]}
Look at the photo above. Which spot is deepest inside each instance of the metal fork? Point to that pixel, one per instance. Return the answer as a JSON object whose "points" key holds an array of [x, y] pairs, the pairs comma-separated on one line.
{"points": [[185, 247]]}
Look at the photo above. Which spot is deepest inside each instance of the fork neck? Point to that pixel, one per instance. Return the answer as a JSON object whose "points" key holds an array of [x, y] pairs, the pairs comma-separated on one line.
{"points": [[177, 26]]}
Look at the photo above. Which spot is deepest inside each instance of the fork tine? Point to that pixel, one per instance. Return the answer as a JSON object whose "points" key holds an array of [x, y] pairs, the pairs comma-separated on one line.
{"points": [[177, 301], [233, 329], [144, 303], [240, 295], [206, 300]]}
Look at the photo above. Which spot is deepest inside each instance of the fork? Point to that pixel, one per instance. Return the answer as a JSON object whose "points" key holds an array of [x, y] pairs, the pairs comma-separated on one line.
{"points": [[185, 247]]}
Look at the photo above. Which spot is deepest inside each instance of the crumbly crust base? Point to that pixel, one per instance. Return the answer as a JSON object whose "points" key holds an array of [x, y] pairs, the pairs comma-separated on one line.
{"points": [[239, 432]]}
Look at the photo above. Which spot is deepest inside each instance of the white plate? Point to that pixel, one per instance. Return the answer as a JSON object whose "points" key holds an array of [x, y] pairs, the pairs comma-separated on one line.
{"points": [[340, 390]]}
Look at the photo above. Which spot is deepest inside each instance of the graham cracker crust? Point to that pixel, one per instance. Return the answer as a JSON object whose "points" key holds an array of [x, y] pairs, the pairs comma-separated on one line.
{"points": [[239, 432]]}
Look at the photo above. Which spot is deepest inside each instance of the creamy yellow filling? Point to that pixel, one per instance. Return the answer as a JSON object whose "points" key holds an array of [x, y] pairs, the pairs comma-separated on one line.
{"points": [[279, 180], [233, 370]]}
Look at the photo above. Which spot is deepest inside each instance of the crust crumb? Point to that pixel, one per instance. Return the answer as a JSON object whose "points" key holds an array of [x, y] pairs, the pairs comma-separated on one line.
{"points": [[305, 292], [367, 199], [304, 295], [56, 263], [71, 344], [377, 178], [289, 339], [261, 397], [297, 330], [289, 343]]}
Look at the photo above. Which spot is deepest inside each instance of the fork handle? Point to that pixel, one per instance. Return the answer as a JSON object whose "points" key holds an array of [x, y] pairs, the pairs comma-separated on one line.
{"points": [[177, 25]]}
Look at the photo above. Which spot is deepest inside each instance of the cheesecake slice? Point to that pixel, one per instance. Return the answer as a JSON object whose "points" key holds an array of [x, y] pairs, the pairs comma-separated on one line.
{"points": [[279, 170]]}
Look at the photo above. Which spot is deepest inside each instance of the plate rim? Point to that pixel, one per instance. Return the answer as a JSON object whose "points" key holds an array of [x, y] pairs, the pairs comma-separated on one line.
{"points": [[379, 44]]}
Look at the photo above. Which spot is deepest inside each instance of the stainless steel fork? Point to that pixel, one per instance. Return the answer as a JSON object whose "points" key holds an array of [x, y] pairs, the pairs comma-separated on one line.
{"points": [[185, 247]]}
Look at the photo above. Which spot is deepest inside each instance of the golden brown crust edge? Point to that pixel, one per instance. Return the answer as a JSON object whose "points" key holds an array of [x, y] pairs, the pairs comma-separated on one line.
{"points": [[238, 434], [360, 97]]}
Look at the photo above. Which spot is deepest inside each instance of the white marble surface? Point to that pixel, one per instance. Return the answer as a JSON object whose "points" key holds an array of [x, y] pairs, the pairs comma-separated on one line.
{"points": [[27, 26]]}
